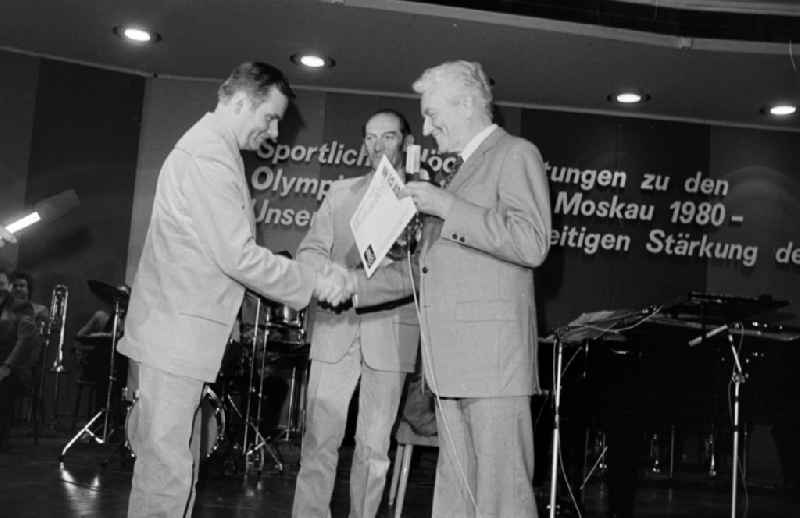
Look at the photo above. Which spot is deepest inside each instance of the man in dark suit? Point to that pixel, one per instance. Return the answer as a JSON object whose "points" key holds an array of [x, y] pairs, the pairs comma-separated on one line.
{"points": [[486, 228]]}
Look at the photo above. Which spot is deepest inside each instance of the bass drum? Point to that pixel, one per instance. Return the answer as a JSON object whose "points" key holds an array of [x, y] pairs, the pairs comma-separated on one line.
{"points": [[210, 417]]}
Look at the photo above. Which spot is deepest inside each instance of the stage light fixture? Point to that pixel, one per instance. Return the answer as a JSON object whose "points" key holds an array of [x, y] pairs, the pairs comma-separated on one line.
{"points": [[137, 35], [313, 61]]}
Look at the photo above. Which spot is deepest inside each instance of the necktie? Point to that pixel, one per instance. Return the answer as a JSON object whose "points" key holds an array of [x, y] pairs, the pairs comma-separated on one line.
{"points": [[442, 178]]}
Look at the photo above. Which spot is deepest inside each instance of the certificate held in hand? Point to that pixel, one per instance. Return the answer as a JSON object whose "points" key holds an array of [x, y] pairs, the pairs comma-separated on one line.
{"points": [[381, 216]]}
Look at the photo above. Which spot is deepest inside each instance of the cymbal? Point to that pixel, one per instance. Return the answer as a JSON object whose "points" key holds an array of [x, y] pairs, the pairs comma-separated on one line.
{"points": [[95, 339], [108, 293]]}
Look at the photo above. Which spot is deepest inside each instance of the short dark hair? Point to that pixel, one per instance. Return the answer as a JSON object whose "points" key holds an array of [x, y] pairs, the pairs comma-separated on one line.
{"points": [[26, 277], [405, 127], [257, 79]]}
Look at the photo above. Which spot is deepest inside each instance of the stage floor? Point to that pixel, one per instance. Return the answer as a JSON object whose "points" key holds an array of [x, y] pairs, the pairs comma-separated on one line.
{"points": [[35, 485]]}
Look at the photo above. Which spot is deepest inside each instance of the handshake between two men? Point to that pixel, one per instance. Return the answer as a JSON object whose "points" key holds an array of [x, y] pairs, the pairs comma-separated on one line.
{"points": [[335, 286]]}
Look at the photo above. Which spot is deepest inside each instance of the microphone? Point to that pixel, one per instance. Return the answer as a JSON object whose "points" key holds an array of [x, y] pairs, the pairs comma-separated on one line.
{"points": [[413, 170], [713, 332], [46, 210]]}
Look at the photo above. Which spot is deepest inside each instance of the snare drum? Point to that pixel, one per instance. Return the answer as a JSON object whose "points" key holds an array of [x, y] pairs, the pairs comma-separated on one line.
{"points": [[212, 423], [210, 418]]}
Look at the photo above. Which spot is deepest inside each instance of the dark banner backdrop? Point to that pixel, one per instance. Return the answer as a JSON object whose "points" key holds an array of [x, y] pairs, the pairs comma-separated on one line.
{"points": [[84, 136], [645, 210]]}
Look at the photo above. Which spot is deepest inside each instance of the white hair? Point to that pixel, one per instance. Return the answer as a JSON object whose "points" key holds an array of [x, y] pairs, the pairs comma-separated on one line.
{"points": [[467, 78]]}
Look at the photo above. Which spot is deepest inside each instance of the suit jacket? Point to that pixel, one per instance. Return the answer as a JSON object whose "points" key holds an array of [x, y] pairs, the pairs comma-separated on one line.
{"points": [[199, 255], [389, 334], [476, 277]]}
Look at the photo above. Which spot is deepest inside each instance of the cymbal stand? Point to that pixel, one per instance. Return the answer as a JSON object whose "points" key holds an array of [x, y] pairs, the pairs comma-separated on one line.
{"points": [[259, 440], [105, 412], [738, 379]]}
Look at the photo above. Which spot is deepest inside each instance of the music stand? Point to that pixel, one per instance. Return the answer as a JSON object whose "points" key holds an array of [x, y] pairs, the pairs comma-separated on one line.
{"points": [[119, 298], [582, 330]]}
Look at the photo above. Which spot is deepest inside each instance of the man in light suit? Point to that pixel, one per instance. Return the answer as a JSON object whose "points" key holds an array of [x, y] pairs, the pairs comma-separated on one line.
{"points": [[485, 231], [377, 346], [199, 256]]}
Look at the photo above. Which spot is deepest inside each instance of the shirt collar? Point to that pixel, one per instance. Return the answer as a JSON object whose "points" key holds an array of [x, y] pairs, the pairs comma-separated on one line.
{"points": [[476, 141]]}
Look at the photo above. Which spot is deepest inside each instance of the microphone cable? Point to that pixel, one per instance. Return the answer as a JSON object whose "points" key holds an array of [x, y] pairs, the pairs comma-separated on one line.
{"points": [[427, 366]]}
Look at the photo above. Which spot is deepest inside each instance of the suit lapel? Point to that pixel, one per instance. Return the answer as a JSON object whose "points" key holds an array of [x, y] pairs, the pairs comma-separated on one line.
{"points": [[432, 226], [472, 164], [351, 201]]}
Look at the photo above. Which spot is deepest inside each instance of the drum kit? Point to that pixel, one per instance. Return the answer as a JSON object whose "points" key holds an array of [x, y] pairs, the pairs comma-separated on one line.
{"points": [[233, 418]]}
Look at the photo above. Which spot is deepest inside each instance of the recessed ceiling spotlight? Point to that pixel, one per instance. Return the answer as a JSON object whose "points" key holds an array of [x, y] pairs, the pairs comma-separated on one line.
{"points": [[136, 34], [628, 97], [782, 110], [309, 60]]}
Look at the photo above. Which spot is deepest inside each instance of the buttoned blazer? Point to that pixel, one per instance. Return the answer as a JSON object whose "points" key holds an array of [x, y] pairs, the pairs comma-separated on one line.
{"points": [[199, 256], [475, 277], [388, 334]]}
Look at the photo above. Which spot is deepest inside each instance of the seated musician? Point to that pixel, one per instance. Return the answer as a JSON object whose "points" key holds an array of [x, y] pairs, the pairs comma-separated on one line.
{"points": [[20, 344], [94, 359]]}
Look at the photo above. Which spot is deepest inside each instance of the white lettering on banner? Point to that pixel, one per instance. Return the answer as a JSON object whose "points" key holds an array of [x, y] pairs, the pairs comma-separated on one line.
{"points": [[286, 217], [683, 244], [336, 153], [788, 254], [589, 242], [263, 178], [708, 186], [587, 179], [576, 205]]}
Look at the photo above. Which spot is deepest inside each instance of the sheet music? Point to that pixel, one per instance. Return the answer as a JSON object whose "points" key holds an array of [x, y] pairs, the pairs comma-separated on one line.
{"points": [[381, 216]]}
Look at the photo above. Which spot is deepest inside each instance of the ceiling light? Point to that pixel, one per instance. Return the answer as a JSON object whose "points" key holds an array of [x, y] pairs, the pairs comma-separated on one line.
{"points": [[628, 97], [314, 61], [135, 34], [782, 110]]}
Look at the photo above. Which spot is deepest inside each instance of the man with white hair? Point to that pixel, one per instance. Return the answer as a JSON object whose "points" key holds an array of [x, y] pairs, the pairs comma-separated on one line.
{"points": [[486, 227]]}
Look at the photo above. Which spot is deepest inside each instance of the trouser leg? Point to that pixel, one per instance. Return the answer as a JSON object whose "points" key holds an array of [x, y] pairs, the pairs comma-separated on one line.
{"points": [[379, 398], [165, 468]]}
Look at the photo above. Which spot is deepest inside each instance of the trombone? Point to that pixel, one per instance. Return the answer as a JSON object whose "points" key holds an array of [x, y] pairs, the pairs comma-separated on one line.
{"points": [[53, 329]]}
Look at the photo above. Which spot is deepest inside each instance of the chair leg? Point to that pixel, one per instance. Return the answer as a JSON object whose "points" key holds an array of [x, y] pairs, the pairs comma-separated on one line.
{"points": [[398, 459], [401, 494]]}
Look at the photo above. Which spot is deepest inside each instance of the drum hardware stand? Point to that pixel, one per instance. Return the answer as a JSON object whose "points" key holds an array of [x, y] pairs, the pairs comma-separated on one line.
{"points": [[105, 412], [262, 441], [296, 423], [598, 464], [259, 441]]}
